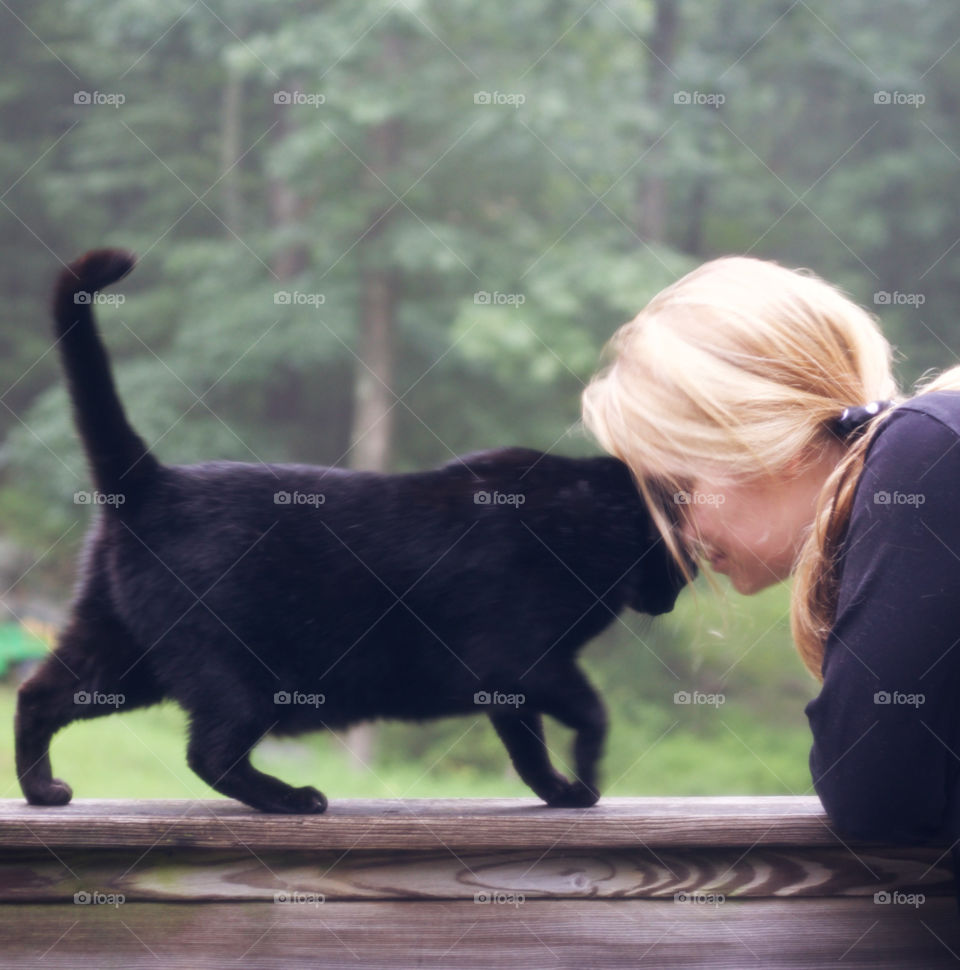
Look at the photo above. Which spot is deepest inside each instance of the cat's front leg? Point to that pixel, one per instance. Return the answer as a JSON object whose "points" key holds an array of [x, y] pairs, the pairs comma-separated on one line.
{"points": [[573, 701], [522, 735]]}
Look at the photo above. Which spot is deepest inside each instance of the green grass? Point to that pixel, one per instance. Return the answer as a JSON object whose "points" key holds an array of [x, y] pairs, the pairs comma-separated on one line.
{"points": [[651, 751], [755, 742]]}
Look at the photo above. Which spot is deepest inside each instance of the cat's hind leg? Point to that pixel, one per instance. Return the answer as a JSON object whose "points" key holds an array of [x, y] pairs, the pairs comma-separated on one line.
{"points": [[219, 752], [93, 671]]}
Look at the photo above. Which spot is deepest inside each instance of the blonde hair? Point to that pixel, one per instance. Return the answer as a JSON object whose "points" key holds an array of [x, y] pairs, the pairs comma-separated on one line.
{"points": [[737, 371]]}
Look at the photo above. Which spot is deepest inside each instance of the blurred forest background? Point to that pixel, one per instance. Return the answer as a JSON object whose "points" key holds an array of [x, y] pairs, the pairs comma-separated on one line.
{"points": [[379, 234]]}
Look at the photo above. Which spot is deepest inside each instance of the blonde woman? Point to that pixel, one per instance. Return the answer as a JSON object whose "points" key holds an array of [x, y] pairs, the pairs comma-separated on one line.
{"points": [[756, 407]]}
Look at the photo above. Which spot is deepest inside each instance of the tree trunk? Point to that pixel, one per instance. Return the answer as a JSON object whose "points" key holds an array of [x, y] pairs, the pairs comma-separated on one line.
{"points": [[371, 435], [372, 432], [694, 217], [652, 190], [287, 210], [230, 132]]}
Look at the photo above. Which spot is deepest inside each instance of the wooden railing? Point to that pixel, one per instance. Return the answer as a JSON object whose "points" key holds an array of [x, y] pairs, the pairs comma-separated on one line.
{"points": [[632, 882]]}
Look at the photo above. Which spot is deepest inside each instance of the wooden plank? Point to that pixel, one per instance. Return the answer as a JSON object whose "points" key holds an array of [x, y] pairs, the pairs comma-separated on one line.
{"points": [[455, 824], [243, 874], [463, 935]]}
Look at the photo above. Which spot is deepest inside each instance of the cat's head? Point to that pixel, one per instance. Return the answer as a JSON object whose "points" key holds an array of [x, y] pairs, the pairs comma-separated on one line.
{"points": [[654, 579], [657, 579]]}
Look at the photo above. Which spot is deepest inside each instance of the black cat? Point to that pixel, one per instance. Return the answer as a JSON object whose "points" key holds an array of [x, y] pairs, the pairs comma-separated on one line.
{"points": [[285, 598]]}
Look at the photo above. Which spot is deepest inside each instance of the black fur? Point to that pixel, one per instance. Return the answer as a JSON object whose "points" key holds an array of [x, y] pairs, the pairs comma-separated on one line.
{"points": [[404, 596]]}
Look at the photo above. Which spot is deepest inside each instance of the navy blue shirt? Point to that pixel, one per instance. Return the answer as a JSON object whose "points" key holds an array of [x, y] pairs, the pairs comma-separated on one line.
{"points": [[886, 732]]}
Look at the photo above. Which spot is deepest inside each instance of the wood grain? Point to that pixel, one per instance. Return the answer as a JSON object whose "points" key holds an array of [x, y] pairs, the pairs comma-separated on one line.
{"points": [[767, 934], [201, 875], [453, 824], [659, 882]]}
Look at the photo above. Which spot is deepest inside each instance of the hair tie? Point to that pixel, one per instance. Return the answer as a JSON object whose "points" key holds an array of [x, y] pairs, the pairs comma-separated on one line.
{"points": [[852, 420]]}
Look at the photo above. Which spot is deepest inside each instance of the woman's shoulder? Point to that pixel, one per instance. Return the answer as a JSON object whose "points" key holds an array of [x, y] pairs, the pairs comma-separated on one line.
{"points": [[917, 448], [944, 406]]}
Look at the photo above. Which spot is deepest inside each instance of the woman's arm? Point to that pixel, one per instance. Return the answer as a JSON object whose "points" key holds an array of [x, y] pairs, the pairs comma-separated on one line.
{"points": [[886, 724]]}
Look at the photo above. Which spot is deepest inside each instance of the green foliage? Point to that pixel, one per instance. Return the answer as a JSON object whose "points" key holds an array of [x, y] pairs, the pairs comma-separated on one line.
{"points": [[542, 196], [18, 645]]}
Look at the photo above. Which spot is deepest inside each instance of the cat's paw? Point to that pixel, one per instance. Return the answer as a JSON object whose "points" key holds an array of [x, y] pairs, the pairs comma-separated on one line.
{"points": [[53, 792], [550, 787], [574, 794], [302, 801]]}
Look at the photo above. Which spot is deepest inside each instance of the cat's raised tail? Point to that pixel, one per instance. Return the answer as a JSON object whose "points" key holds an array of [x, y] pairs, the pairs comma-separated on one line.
{"points": [[119, 459]]}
